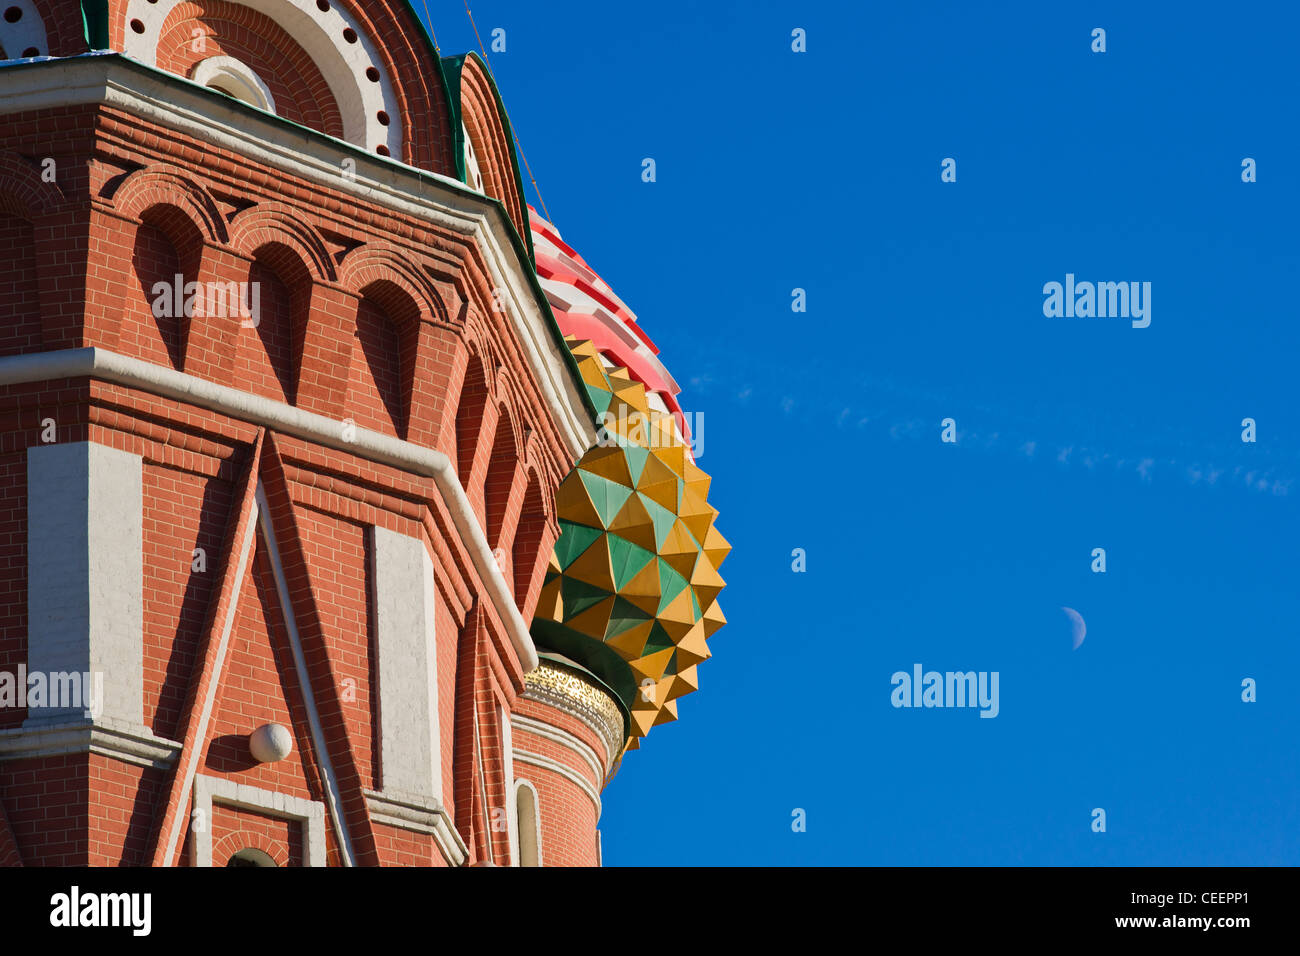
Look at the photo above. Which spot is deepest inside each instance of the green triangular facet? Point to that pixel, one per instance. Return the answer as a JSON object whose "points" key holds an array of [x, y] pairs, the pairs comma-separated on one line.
{"points": [[579, 596], [626, 559], [636, 458], [600, 399], [658, 641], [606, 496], [574, 539], [671, 584], [625, 615], [663, 519]]}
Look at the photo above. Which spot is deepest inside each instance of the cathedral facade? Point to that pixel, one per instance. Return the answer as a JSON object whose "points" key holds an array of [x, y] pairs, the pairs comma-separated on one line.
{"points": [[348, 517]]}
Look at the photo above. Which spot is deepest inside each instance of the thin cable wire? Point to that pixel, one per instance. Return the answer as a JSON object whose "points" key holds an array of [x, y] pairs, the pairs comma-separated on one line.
{"points": [[509, 122], [428, 19]]}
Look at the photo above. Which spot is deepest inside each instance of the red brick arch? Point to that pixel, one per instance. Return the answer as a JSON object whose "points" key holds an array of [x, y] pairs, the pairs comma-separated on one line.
{"points": [[506, 410], [65, 27], [243, 839], [162, 198], [534, 536], [509, 393], [492, 145], [277, 225], [230, 29], [421, 97], [475, 398], [22, 191], [374, 263], [157, 186]]}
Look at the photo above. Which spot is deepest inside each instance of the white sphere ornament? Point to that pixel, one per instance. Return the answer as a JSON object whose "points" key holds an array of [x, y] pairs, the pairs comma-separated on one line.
{"points": [[270, 742]]}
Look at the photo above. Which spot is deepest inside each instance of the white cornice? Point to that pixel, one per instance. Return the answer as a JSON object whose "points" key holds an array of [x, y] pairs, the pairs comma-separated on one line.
{"points": [[109, 738], [108, 366], [176, 103], [419, 815]]}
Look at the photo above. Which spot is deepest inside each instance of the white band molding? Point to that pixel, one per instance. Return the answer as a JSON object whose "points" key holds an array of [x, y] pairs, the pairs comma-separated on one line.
{"points": [[109, 366]]}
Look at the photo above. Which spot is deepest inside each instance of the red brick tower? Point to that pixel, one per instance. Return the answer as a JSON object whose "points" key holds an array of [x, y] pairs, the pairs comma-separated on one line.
{"points": [[285, 414]]}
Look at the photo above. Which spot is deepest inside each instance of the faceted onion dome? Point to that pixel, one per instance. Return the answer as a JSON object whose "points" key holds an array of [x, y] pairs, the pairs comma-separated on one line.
{"points": [[632, 588]]}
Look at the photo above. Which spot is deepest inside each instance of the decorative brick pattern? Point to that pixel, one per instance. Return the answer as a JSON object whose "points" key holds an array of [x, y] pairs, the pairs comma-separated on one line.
{"points": [[369, 315]]}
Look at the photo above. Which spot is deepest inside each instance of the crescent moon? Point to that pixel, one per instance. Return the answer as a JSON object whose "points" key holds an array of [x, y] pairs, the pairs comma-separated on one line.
{"points": [[1078, 628]]}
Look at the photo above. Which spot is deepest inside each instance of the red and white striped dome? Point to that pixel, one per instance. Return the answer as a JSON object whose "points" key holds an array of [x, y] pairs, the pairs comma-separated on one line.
{"points": [[586, 307]]}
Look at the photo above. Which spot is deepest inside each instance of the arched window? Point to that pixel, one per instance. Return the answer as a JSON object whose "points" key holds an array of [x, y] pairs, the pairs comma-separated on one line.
{"points": [[469, 418], [500, 479], [227, 75], [251, 857], [528, 824], [528, 540]]}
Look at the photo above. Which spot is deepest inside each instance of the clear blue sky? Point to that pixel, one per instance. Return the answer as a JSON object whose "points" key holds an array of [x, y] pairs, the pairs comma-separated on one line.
{"points": [[820, 170]]}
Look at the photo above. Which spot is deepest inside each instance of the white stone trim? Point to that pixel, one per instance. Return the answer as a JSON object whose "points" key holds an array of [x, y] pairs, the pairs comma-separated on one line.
{"points": [[564, 738], [166, 100], [241, 80], [507, 751], [210, 790], [106, 737], [539, 760], [110, 367], [516, 848], [419, 815], [405, 646], [28, 32], [85, 576], [332, 793], [320, 34]]}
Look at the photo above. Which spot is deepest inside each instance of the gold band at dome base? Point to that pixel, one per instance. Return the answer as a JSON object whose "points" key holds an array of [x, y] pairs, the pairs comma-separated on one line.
{"points": [[567, 690]]}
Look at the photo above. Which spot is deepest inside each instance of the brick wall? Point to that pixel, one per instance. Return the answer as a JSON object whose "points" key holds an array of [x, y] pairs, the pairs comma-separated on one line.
{"points": [[366, 314]]}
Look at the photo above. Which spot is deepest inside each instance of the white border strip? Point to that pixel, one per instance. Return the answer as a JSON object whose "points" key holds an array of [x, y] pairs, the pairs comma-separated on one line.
{"points": [[311, 813], [106, 737], [564, 738], [538, 760], [332, 794], [419, 815], [277, 416]]}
